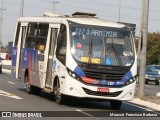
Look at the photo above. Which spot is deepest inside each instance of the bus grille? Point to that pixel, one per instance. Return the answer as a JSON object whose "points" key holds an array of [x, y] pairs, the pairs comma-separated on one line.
{"points": [[95, 93], [111, 75]]}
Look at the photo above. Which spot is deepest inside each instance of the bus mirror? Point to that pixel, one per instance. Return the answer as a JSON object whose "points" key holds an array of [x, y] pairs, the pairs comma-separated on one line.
{"points": [[59, 40], [41, 48]]}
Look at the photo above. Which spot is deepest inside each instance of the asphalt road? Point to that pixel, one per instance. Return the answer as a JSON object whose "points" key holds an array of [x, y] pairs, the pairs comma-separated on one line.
{"points": [[151, 89], [13, 97]]}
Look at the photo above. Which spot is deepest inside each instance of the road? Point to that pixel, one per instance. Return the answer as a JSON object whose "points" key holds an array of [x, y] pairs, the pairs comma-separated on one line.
{"points": [[13, 97], [151, 89]]}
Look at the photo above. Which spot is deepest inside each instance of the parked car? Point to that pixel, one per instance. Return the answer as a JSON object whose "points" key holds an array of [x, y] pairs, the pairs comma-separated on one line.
{"points": [[154, 68], [0, 66], [152, 74]]}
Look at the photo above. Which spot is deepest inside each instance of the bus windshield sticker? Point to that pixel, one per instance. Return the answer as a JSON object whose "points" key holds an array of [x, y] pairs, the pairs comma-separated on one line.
{"points": [[108, 61]]}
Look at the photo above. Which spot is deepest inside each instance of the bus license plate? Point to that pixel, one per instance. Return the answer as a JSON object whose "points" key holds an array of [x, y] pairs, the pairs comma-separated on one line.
{"points": [[103, 90]]}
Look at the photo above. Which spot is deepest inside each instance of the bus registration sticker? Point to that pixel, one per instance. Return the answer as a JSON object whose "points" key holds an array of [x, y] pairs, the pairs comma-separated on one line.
{"points": [[103, 90]]}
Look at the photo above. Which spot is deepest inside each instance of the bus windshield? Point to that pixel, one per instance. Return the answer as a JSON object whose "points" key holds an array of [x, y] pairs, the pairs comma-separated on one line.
{"points": [[102, 45]]}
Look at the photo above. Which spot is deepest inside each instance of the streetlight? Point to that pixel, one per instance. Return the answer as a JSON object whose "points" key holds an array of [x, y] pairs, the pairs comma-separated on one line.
{"points": [[54, 2], [21, 8], [119, 17], [1, 24]]}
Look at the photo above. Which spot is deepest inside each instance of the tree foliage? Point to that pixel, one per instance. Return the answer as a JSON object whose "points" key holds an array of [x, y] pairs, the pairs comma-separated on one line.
{"points": [[153, 48]]}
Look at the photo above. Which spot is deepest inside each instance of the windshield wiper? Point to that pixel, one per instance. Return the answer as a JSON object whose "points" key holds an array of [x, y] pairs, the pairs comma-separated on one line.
{"points": [[117, 55], [90, 51]]}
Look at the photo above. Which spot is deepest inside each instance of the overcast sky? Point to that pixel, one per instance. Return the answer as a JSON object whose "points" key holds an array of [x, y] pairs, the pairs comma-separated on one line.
{"points": [[105, 9]]}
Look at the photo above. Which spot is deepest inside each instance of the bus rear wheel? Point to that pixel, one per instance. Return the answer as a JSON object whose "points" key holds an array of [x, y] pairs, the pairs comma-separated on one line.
{"points": [[59, 98], [29, 87], [115, 104]]}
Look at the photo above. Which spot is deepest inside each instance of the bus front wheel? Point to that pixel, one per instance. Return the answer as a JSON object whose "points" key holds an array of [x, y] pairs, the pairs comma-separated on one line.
{"points": [[59, 98], [115, 104]]}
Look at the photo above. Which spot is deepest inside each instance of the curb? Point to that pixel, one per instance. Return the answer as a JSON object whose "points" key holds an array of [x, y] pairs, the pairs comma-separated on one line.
{"points": [[147, 104], [6, 71]]}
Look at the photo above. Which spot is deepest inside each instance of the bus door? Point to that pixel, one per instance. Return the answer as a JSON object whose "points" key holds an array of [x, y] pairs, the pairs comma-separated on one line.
{"points": [[22, 37], [49, 61]]}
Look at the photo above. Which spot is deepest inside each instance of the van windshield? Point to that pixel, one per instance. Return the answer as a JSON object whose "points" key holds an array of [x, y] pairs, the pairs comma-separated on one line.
{"points": [[102, 45]]}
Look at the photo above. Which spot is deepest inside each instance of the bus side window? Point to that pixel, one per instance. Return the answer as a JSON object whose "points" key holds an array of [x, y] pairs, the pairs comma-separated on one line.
{"points": [[17, 35], [61, 46], [31, 35], [42, 37], [37, 36]]}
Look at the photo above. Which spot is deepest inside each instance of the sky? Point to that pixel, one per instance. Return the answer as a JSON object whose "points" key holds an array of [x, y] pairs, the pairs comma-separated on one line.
{"points": [[130, 12]]}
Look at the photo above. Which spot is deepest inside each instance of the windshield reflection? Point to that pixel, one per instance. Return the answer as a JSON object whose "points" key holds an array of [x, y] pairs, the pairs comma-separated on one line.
{"points": [[105, 46]]}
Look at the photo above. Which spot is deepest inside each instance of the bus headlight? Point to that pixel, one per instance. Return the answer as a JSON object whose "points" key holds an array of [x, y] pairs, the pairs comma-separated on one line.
{"points": [[73, 75], [130, 81]]}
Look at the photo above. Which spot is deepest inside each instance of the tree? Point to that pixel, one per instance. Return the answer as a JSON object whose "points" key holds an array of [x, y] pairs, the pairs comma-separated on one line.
{"points": [[153, 48]]}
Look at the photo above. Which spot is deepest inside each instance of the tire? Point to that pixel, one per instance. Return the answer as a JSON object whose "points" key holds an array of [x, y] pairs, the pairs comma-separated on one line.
{"points": [[115, 104], [29, 87], [0, 70], [157, 83], [146, 82], [59, 98]]}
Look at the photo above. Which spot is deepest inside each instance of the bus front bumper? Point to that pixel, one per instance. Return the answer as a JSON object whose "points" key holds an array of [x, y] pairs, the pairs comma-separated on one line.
{"points": [[78, 89]]}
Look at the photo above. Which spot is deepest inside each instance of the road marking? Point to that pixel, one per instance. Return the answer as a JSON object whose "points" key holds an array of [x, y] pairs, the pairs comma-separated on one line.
{"points": [[138, 106], [4, 93], [148, 86], [11, 82], [84, 113]]}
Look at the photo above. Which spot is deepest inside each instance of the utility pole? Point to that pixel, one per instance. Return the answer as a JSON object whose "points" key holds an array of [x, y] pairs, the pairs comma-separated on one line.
{"points": [[54, 6], [140, 37], [119, 16], [144, 48], [1, 24], [21, 8]]}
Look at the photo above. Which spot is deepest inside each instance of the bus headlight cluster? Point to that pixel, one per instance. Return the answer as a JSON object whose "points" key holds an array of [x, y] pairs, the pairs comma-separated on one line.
{"points": [[130, 81], [73, 74]]}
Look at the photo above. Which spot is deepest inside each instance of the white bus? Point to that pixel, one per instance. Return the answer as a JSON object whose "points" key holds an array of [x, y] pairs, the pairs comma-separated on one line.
{"points": [[80, 56]]}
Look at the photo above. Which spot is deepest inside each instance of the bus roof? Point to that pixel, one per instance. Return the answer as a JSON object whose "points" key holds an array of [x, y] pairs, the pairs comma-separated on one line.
{"points": [[80, 20]]}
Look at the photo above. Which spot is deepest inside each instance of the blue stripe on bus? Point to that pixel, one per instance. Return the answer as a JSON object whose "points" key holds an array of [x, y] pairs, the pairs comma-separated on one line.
{"points": [[79, 71]]}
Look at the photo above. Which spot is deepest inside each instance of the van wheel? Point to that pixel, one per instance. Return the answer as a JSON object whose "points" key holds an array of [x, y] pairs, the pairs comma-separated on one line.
{"points": [[29, 87], [146, 82], [157, 83], [58, 96], [115, 104]]}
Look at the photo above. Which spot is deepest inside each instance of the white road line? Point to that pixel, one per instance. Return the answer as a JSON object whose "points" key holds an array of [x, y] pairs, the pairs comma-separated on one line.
{"points": [[4, 93], [11, 82], [148, 86], [6, 71], [137, 106], [84, 113]]}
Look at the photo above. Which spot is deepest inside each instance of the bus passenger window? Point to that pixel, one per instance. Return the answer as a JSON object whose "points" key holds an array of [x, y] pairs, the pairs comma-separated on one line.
{"points": [[17, 35], [61, 48], [42, 37], [37, 36]]}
